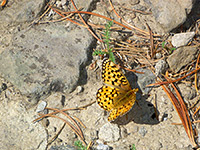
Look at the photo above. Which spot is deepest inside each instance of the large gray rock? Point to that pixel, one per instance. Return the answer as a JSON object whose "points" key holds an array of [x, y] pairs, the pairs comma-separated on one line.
{"points": [[46, 58], [21, 11], [170, 14]]}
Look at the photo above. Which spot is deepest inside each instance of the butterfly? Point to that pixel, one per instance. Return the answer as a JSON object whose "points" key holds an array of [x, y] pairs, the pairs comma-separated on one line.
{"points": [[116, 96]]}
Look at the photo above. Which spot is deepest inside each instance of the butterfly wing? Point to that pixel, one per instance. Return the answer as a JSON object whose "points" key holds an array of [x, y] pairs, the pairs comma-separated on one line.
{"points": [[105, 97], [127, 102], [113, 76], [116, 96]]}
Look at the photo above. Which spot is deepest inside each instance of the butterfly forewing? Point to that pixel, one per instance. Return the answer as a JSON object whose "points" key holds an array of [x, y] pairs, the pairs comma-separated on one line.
{"points": [[113, 76]]}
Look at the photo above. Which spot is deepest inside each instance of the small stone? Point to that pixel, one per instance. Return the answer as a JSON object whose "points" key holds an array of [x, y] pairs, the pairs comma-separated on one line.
{"points": [[182, 39], [187, 92], [181, 57], [145, 79], [124, 2], [79, 89], [135, 129], [160, 67], [142, 131], [3, 86], [124, 133], [41, 106], [103, 147], [163, 117], [109, 132], [158, 55], [63, 2], [62, 147]]}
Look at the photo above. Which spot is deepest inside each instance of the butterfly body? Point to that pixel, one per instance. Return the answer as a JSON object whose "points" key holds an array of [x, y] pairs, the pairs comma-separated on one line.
{"points": [[116, 95]]}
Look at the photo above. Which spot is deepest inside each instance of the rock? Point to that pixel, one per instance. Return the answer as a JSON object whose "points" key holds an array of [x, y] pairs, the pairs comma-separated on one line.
{"points": [[101, 146], [109, 132], [163, 116], [158, 55], [170, 14], [142, 131], [145, 79], [182, 39], [17, 129], [160, 67], [187, 92], [127, 2], [79, 89], [53, 62], [41, 106], [181, 57], [21, 11], [62, 147]]}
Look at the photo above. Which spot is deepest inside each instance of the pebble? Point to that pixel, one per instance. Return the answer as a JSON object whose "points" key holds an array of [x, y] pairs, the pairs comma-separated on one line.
{"points": [[109, 132], [158, 55], [187, 92], [101, 146], [182, 39], [79, 89], [145, 79], [181, 57], [62, 147], [161, 67], [3, 86], [142, 131], [41, 106]]}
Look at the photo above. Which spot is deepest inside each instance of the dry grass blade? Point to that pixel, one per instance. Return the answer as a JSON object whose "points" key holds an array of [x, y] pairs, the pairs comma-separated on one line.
{"points": [[75, 127], [69, 117], [172, 81], [63, 110], [151, 41], [72, 127], [138, 11], [59, 13], [195, 76], [141, 31], [182, 112], [132, 70], [37, 20], [3, 3], [85, 22], [52, 139], [91, 13]]}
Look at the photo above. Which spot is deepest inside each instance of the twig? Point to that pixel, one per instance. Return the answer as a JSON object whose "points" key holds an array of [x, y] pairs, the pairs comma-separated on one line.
{"points": [[138, 11], [78, 128], [195, 76], [3, 3], [172, 81], [142, 31], [36, 21], [85, 22], [52, 139], [151, 41], [72, 127]]}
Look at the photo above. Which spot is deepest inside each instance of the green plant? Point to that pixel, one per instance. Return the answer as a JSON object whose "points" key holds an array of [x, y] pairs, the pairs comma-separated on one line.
{"points": [[167, 48], [133, 147], [80, 145], [107, 43]]}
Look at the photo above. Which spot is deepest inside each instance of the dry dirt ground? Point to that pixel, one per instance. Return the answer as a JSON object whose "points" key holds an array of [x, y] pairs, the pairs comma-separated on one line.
{"points": [[139, 127]]}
